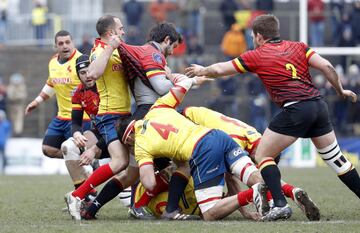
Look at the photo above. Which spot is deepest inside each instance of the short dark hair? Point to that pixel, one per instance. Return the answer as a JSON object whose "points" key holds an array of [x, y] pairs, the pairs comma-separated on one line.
{"points": [[121, 125], [266, 25], [105, 23], [162, 30], [62, 33]]}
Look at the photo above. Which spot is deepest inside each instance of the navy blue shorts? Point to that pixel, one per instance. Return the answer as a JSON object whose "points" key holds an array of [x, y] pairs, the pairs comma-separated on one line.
{"points": [[106, 126], [59, 131], [211, 156]]}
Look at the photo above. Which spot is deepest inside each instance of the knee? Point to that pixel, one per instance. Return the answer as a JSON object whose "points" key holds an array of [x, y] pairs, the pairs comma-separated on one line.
{"points": [[50, 152], [208, 216], [69, 150], [119, 164]]}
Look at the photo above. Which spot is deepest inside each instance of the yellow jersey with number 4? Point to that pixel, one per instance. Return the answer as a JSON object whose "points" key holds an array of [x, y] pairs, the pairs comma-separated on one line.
{"points": [[166, 133], [245, 135]]}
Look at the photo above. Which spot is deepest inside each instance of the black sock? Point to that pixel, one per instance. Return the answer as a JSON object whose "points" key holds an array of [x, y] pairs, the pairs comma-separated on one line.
{"points": [[109, 192], [271, 175], [352, 181], [176, 188]]}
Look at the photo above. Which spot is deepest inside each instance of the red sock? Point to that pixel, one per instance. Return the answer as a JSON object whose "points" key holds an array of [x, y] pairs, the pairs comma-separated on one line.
{"points": [[245, 197], [268, 196], [99, 176], [287, 189], [161, 186]]}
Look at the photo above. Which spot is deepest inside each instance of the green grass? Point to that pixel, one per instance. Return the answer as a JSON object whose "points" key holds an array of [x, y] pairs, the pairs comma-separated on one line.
{"points": [[34, 203]]}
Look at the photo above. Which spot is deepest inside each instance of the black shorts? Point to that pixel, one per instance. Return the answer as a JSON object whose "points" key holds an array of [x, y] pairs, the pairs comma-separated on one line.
{"points": [[305, 119]]}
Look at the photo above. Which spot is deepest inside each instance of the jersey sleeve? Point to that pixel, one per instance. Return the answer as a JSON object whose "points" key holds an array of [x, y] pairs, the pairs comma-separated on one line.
{"points": [[76, 99], [308, 51], [195, 114], [246, 62], [169, 100], [154, 64], [95, 53], [142, 157]]}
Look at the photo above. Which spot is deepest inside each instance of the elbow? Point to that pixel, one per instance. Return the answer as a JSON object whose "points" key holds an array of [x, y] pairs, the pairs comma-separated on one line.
{"points": [[93, 75]]}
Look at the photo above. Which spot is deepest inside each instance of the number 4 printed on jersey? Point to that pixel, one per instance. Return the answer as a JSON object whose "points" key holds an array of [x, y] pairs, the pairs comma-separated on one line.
{"points": [[163, 130]]}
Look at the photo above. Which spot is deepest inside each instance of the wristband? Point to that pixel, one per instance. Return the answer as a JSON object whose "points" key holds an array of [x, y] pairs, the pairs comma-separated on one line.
{"points": [[39, 99]]}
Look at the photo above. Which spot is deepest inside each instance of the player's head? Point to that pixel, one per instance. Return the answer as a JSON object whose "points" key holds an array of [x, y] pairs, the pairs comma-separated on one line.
{"points": [[109, 25], [166, 35], [126, 130], [264, 28], [82, 66], [64, 44]]}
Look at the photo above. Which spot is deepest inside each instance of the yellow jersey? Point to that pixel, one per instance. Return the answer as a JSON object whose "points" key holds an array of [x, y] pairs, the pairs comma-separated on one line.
{"points": [[166, 133], [112, 85], [245, 135], [157, 205], [64, 80]]}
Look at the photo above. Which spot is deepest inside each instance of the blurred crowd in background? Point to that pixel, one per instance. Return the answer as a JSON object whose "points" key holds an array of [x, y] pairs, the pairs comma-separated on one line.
{"points": [[232, 96]]}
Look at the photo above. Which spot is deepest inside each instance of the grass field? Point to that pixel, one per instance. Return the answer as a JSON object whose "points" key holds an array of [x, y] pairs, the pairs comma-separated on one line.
{"points": [[34, 203]]}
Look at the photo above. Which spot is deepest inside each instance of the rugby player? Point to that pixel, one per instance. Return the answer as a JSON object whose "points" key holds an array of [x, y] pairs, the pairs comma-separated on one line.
{"points": [[283, 66]]}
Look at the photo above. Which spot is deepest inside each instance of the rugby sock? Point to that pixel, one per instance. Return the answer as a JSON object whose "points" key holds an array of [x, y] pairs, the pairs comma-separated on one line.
{"points": [[245, 197], [109, 192], [271, 175], [161, 186], [177, 186], [99, 176], [288, 190], [352, 181]]}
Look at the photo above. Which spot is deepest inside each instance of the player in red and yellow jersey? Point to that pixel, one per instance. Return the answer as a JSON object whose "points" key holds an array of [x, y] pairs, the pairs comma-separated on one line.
{"points": [[62, 81], [165, 133], [283, 67], [112, 86]]}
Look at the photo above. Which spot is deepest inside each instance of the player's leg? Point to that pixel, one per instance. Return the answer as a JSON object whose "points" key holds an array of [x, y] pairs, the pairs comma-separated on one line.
{"points": [[55, 135], [330, 152], [112, 188]]}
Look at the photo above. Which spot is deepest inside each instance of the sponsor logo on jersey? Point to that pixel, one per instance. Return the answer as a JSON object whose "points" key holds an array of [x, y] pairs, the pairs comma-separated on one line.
{"points": [[61, 80], [157, 58]]}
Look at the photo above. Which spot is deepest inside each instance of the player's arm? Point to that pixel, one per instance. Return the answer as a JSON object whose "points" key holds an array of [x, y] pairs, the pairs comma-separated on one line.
{"points": [[322, 64], [97, 66], [147, 176], [213, 71], [161, 84], [76, 127], [47, 92]]}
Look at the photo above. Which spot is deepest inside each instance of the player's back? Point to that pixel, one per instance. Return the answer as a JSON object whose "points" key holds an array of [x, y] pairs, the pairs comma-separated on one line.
{"points": [[165, 133], [244, 134], [112, 85], [283, 68]]}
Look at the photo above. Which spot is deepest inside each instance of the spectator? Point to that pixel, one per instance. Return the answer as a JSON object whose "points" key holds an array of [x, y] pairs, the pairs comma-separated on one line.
{"points": [[355, 21], [266, 6], [5, 132], [194, 51], [133, 36], [16, 97], [234, 42], [39, 21], [3, 21], [133, 11], [2, 95], [86, 45], [346, 38], [227, 9], [316, 19], [192, 12], [159, 9], [337, 10]]}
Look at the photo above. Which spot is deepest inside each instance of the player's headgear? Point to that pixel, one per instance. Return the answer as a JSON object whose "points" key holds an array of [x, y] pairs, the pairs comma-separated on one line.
{"points": [[124, 127], [82, 62]]}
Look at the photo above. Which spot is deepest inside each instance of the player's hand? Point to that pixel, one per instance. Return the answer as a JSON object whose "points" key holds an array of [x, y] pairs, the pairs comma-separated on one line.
{"points": [[87, 157], [202, 79], [252, 215], [31, 107], [351, 94], [114, 41], [194, 70], [79, 139]]}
